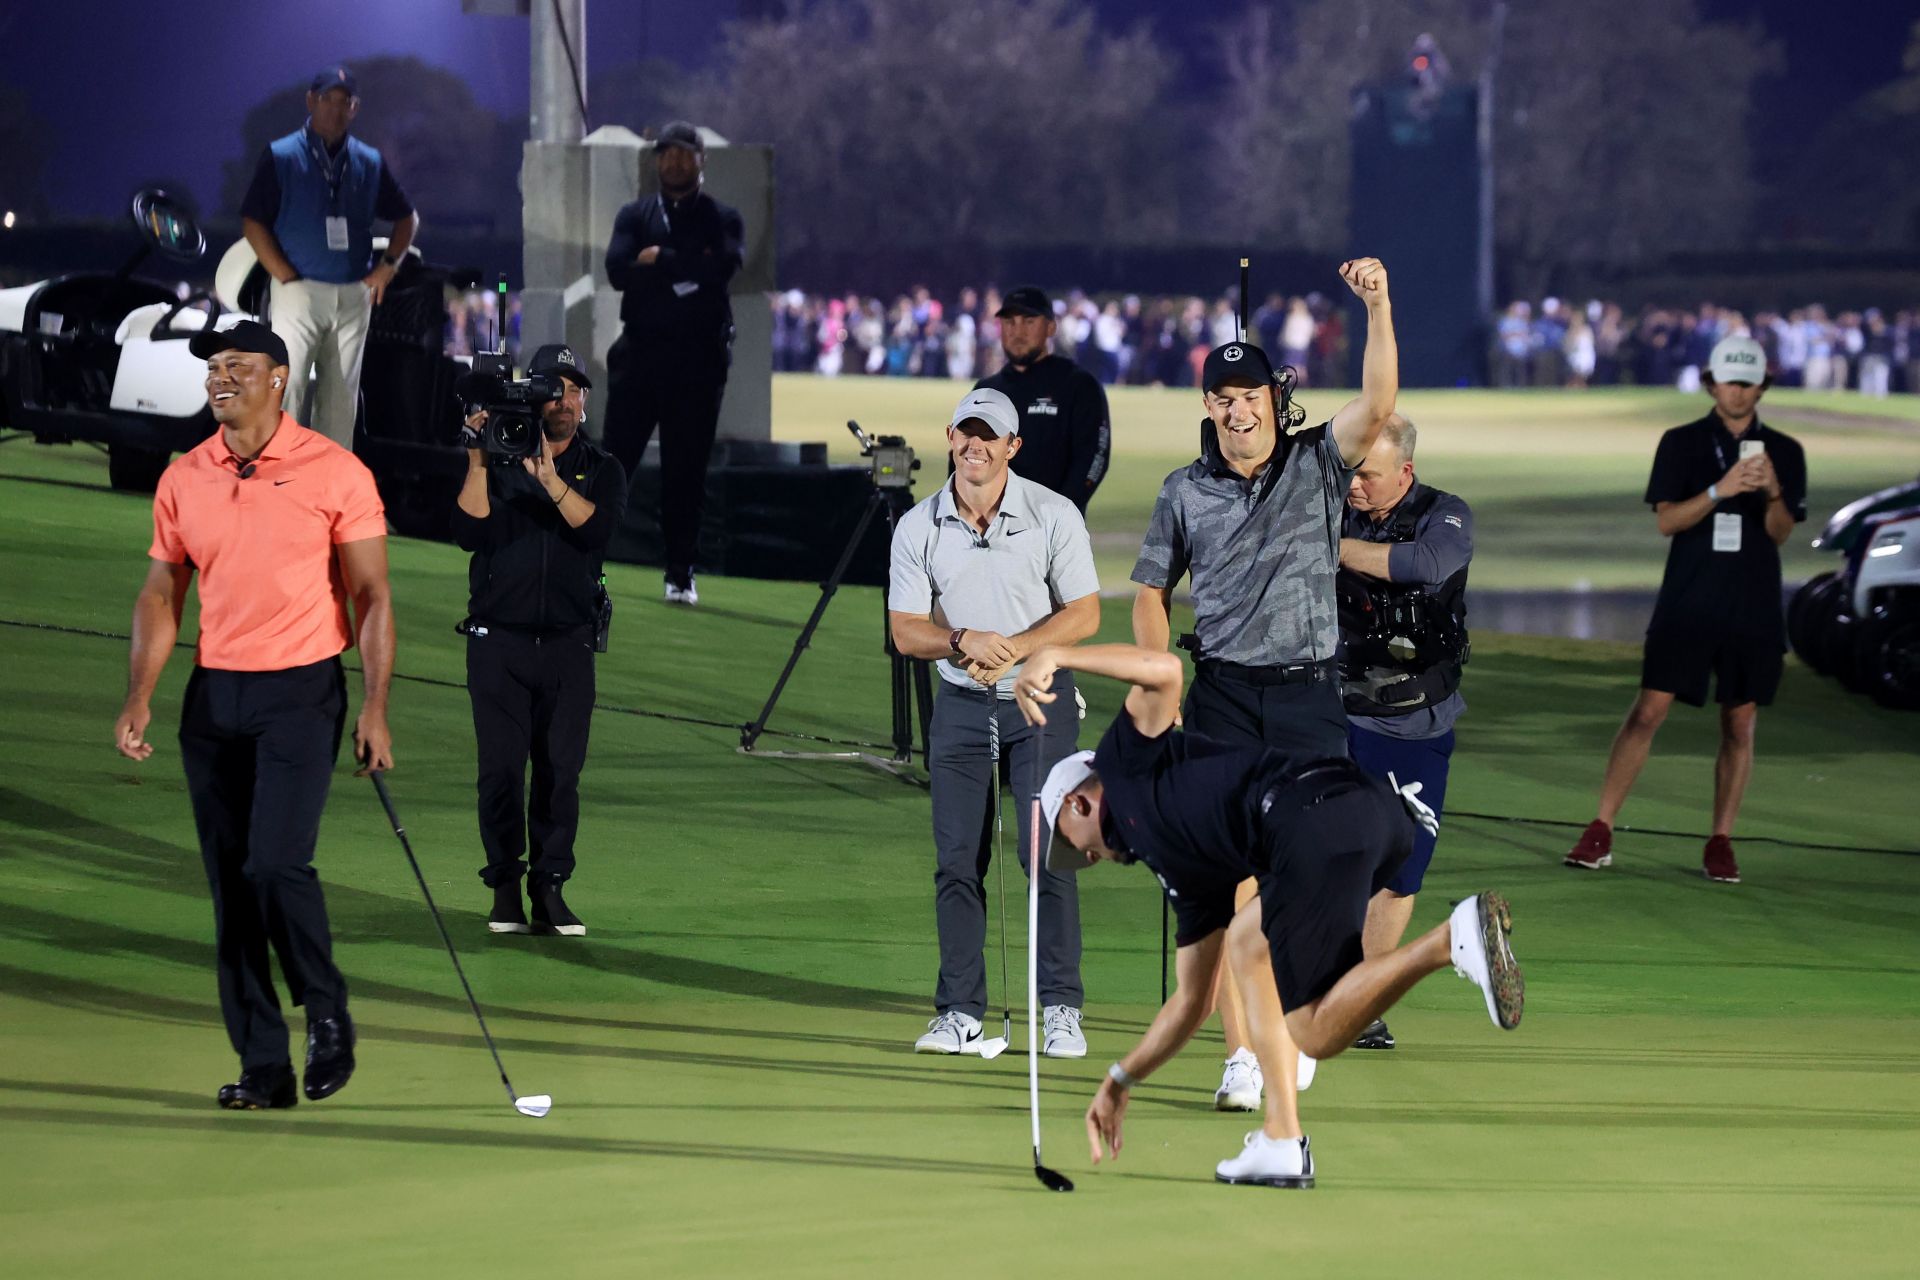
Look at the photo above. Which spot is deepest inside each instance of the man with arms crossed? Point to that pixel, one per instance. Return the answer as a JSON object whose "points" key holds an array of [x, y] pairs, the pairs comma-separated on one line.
{"points": [[1727, 490], [984, 572], [286, 532], [1256, 522], [1320, 837]]}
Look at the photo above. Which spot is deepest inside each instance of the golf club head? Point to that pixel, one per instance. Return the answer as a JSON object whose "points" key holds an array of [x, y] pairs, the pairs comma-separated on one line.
{"points": [[535, 1105], [1051, 1179], [993, 1048]]}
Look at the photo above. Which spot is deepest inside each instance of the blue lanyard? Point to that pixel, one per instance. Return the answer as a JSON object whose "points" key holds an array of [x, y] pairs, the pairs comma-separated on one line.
{"points": [[333, 170]]}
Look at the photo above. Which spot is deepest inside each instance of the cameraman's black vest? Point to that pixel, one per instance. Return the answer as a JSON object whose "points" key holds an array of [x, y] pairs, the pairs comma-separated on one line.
{"points": [[1401, 645]]}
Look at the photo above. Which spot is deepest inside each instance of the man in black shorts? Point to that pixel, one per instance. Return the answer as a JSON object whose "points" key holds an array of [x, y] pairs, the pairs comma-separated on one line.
{"points": [[1727, 490], [1320, 837]]}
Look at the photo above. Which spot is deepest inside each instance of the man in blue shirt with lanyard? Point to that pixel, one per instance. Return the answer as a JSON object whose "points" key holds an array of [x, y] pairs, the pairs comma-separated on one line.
{"points": [[309, 215]]}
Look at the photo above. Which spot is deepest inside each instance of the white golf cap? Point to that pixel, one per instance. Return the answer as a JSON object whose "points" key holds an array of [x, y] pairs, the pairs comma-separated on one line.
{"points": [[991, 407], [1738, 359], [1062, 857]]}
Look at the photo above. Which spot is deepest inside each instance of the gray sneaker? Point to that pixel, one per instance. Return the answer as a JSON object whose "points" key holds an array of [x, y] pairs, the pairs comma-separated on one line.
{"points": [[1060, 1032], [951, 1032]]}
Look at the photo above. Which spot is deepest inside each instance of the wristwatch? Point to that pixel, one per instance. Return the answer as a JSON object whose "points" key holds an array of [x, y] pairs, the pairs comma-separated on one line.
{"points": [[388, 259], [1119, 1075], [953, 640]]}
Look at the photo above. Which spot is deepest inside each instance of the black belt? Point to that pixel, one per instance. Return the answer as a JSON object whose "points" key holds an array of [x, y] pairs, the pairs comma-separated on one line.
{"points": [[1294, 673], [479, 628]]}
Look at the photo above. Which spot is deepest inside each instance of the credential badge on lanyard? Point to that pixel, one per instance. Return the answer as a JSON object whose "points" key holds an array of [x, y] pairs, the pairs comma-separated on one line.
{"points": [[335, 172]]}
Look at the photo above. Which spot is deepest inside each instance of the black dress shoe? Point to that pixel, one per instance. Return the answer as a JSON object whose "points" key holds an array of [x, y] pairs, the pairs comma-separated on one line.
{"points": [[329, 1056], [260, 1089], [1376, 1036], [550, 913], [509, 915]]}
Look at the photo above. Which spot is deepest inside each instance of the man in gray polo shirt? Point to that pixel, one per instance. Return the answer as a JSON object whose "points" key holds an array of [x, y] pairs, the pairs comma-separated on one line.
{"points": [[984, 572], [1256, 522]]}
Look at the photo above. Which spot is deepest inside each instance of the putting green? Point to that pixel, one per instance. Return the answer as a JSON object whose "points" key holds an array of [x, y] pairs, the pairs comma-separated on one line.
{"points": [[1710, 1079]]}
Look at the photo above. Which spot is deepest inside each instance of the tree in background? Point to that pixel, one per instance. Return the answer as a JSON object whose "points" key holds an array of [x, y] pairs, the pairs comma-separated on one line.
{"points": [[458, 161], [925, 123], [1860, 180], [1620, 130]]}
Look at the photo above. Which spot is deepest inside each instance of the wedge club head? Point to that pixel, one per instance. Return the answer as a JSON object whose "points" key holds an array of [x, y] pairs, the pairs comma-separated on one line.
{"points": [[991, 1049], [535, 1105]]}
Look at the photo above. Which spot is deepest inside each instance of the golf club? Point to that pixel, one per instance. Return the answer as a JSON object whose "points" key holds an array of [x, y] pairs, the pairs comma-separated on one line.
{"points": [[535, 1104], [993, 1048], [1051, 1179]]}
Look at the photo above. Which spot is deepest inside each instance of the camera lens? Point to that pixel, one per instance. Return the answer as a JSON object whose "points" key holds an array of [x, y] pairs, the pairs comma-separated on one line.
{"points": [[514, 433]]}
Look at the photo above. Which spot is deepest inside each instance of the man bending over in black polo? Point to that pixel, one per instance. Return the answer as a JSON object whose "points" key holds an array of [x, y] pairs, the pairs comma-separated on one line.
{"points": [[1320, 836]]}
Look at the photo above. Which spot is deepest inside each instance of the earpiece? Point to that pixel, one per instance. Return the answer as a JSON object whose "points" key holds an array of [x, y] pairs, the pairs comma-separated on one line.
{"points": [[276, 382]]}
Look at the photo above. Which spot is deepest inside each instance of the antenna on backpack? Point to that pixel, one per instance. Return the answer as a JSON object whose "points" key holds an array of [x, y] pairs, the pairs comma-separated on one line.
{"points": [[1243, 300]]}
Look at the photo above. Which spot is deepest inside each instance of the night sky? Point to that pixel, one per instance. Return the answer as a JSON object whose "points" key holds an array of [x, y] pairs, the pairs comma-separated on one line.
{"points": [[133, 97]]}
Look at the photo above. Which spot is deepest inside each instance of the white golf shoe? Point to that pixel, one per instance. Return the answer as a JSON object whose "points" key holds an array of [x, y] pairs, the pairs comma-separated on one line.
{"points": [[951, 1032], [1480, 927], [677, 594], [1268, 1162], [1240, 1083], [1061, 1035], [1304, 1080]]}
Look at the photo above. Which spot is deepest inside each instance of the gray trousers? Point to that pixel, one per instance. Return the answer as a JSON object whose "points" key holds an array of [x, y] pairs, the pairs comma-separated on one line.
{"points": [[959, 762]]}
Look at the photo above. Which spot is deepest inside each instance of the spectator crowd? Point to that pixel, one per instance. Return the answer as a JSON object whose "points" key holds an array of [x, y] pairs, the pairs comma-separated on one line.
{"points": [[1132, 340]]}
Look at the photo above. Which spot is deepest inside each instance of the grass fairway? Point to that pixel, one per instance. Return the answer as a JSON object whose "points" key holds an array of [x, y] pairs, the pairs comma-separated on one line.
{"points": [[1555, 478], [1710, 1080]]}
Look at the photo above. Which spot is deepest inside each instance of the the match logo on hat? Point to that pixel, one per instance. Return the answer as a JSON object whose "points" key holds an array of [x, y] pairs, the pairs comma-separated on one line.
{"points": [[1232, 353]]}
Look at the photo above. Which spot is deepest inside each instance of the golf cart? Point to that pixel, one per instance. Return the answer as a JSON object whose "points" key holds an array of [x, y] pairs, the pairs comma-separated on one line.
{"points": [[1861, 622], [101, 358]]}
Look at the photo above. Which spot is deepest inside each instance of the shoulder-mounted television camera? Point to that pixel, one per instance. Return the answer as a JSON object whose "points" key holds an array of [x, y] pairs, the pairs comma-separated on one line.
{"points": [[513, 406]]}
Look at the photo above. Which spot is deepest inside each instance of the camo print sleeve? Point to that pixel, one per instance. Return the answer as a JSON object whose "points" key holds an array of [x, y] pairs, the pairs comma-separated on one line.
{"points": [[1164, 553]]}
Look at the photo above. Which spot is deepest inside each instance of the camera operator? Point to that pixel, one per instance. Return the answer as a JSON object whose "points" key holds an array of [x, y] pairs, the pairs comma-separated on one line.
{"points": [[1403, 606], [537, 532]]}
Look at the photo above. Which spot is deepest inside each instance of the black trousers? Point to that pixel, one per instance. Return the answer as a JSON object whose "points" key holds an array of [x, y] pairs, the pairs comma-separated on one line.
{"points": [[1305, 720], [259, 748], [531, 697], [677, 391]]}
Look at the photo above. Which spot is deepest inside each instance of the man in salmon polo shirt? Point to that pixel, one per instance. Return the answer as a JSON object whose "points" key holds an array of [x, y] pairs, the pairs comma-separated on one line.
{"points": [[287, 534]]}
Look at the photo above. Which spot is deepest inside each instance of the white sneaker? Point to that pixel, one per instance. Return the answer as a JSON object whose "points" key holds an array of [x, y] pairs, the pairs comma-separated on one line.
{"points": [[689, 594], [1240, 1083], [1269, 1162], [1481, 954], [951, 1032], [1304, 1080], [1060, 1026]]}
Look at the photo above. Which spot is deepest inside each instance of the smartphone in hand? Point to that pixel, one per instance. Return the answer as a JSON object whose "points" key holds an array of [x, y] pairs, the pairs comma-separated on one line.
{"points": [[1751, 449]]}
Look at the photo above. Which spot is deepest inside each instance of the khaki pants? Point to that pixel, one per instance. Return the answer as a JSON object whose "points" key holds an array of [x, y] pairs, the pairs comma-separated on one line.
{"points": [[325, 329]]}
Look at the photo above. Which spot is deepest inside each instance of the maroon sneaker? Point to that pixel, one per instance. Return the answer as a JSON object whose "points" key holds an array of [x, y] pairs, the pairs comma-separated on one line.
{"points": [[1716, 861], [1594, 849]]}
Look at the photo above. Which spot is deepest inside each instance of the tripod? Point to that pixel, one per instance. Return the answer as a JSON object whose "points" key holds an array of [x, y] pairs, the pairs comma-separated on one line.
{"points": [[906, 674]]}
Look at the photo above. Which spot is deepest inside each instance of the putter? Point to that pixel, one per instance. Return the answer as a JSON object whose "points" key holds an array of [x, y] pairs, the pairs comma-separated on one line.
{"points": [[991, 1049], [1051, 1179], [534, 1104]]}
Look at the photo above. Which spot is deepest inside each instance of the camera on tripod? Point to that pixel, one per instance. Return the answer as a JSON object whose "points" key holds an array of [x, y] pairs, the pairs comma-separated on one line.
{"points": [[891, 458], [512, 431]]}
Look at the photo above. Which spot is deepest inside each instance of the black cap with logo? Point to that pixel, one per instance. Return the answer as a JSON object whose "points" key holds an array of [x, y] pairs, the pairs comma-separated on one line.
{"points": [[1027, 300], [248, 335], [556, 359], [680, 134], [1236, 362]]}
